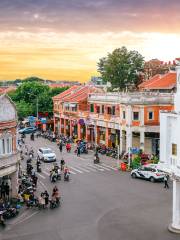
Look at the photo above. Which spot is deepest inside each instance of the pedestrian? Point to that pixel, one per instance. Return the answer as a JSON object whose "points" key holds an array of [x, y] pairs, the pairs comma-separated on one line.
{"points": [[46, 198], [68, 147], [3, 191], [166, 182], [35, 179], [78, 151], [60, 146], [7, 189]]}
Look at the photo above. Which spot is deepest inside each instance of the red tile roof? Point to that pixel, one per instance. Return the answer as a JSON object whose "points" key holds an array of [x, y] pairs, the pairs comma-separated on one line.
{"points": [[149, 81], [167, 81], [76, 94], [66, 93]]}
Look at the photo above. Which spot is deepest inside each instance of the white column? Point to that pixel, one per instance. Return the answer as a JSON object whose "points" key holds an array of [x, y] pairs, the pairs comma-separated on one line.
{"points": [[128, 138], [121, 141], [177, 95], [14, 184], [142, 139], [175, 226], [142, 116]]}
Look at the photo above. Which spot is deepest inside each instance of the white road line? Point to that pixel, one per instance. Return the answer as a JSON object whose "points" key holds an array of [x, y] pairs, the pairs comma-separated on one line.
{"points": [[42, 184], [41, 175], [81, 158], [26, 218], [91, 169], [72, 172], [113, 168], [103, 167], [83, 169], [75, 169], [46, 173], [99, 169]]}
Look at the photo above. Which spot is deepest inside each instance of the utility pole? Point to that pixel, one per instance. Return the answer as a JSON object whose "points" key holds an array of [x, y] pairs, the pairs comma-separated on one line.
{"points": [[37, 108]]}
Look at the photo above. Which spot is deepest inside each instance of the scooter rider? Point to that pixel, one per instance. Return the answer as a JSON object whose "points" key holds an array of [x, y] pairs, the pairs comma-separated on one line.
{"points": [[62, 164], [66, 173], [53, 176], [38, 163]]}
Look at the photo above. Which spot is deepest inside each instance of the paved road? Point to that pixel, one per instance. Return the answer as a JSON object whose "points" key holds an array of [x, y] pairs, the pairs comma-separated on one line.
{"points": [[99, 203]]}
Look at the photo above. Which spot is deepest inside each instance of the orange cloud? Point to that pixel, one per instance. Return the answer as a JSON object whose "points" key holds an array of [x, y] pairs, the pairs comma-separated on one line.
{"points": [[74, 56]]}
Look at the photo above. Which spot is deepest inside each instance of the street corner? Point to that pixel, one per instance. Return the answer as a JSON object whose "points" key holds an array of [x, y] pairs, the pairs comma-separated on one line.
{"points": [[119, 223]]}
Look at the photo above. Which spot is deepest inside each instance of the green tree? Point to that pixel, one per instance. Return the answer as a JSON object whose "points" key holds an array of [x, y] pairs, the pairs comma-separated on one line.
{"points": [[24, 109], [33, 79], [29, 93], [121, 68]]}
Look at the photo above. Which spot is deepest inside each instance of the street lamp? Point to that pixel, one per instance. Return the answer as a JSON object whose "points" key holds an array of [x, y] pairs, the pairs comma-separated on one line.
{"points": [[37, 105]]}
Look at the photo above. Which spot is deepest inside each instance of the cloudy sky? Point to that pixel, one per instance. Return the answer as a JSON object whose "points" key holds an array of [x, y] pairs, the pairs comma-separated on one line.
{"points": [[63, 39]]}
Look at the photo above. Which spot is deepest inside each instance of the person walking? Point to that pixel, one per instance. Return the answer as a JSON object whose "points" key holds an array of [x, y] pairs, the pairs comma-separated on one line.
{"points": [[60, 146], [3, 191], [7, 189], [78, 151], [166, 181], [46, 198]]}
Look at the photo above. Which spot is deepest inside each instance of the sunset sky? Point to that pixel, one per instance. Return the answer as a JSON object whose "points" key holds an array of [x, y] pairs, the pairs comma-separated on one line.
{"points": [[64, 39]]}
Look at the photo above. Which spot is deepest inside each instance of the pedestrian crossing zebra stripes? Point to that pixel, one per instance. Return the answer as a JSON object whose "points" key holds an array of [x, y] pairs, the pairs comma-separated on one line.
{"points": [[79, 169]]}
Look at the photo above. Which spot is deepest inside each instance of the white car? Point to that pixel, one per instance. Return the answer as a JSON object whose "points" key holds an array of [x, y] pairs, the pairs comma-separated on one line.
{"points": [[148, 172], [46, 155]]}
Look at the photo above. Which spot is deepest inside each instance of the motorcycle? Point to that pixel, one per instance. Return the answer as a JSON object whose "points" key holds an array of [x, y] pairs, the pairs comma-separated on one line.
{"points": [[2, 221], [54, 203], [66, 176], [39, 169]]}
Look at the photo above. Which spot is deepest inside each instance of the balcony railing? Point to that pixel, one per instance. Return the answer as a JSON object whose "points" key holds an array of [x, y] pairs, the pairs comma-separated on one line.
{"points": [[9, 160], [132, 98]]}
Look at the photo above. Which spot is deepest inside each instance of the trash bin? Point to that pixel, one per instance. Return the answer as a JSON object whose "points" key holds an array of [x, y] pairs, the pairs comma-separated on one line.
{"points": [[123, 166]]}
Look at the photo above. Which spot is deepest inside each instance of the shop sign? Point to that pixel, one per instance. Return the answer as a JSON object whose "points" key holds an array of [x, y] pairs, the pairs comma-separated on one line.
{"points": [[43, 120], [81, 122]]}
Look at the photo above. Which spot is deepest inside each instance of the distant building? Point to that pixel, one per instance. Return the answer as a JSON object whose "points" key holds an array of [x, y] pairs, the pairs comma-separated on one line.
{"points": [[155, 66], [170, 152], [9, 155], [71, 111], [161, 83]]}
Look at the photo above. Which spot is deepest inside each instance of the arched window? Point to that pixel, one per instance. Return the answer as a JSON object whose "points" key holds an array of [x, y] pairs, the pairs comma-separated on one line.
{"points": [[6, 144]]}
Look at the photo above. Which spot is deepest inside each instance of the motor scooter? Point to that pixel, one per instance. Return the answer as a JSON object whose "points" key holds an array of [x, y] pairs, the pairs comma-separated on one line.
{"points": [[2, 221]]}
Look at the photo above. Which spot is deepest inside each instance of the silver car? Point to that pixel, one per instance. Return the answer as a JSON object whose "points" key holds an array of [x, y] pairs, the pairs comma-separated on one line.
{"points": [[46, 155]]}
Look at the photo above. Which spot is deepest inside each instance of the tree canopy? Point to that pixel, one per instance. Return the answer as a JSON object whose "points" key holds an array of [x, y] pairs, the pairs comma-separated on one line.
{"points": [[121, 68], [27, 94]]}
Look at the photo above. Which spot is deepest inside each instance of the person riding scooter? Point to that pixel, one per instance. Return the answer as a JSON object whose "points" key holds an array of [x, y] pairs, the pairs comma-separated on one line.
{"points": [[53, 176], [62, 164], [38, 165], [96, 158], [66, 174]]}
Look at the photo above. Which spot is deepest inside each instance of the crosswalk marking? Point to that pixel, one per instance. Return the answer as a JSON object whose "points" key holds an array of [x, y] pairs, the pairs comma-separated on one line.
{"points": [[104, 168], [91, 169], [75, 169], [97, 168], [41, 175], [72, 172], [113, 168], [83, 169], [46, 173]]}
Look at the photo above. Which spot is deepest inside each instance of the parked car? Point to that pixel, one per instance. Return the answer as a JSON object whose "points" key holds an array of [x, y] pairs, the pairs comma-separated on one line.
{"points": [[46, 155], [27, 130], [149, 172]]}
